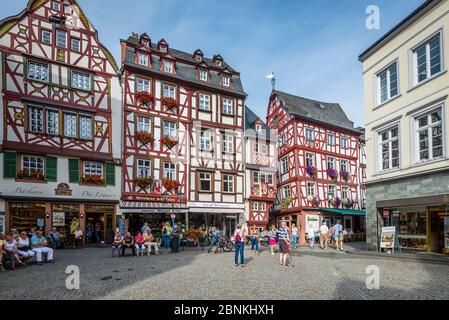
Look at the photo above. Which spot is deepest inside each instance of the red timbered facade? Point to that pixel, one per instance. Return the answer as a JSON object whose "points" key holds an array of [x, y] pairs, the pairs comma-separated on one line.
{"points": [[60, 103], [318, 162]]}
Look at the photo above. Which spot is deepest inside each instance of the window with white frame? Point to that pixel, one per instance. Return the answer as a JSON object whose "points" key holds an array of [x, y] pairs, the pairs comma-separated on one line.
{"points": [[143, 168], [344, 165], [330, 139], [427, 59], [162, 48], [205, 181], [52, 122], [258, 128], [284, 165], [389, 149], [143, 85], [61, 38], [255, 206], [262, 206], [345, 192], [309, 134], [70, 125], [206, 141], [46, 37], [143, 124], [168, 66], [37, 71], [256, 178], [429, 135], [282, 140], [143, 59], [263, 148], [93, 169], [169, 91], [169, 170], [228, 183], [170, 129], [266, 178], [331, 163], [226, 81], [311, 189], [85, 129], [286, 191], [387, 83], [228, 143], [203, 75], [33, 164], [331, 192], [80, 80], [310, 160], [205, 102], [227, 106], [36, 119], [75, 45], [344, 143], [56, 5]]}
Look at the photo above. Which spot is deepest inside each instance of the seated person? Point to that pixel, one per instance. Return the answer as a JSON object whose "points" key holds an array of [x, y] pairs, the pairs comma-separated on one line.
{"points": [[128, 242], [78, 237], [39, 246], [55, 238], [1, 253], [9, 246], [117, 243], [24, 247], [139, 243], [150, 242]]}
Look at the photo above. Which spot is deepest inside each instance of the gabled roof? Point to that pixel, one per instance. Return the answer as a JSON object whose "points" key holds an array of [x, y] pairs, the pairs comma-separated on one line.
{"points": [[250, 121], [329, 113]]}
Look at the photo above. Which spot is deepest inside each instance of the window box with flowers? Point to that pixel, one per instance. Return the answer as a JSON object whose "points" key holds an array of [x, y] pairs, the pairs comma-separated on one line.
{"points": [[347, 203], [169, 103], [312, 171], [169, 141], [144, 137], [93, 179], [314, 201], [345, 175], [30, 175], [145, 98], [335, 202], [144, 183], [171, 185], [332, 173], [285, 202]]}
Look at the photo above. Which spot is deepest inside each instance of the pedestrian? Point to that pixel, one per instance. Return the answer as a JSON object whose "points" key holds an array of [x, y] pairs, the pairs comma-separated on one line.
{"points": [[98, 232], [295, 234], [338, 228], [272, 235], [239, 239], [78, 237], [145, 228], [255, 240], [284, 243], [331, 237], [324, 230], [311, 236], [89, 232], [166, 232], [175, 238]]}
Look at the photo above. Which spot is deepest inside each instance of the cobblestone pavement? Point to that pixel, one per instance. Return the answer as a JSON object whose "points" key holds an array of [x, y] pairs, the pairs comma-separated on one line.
{"points": [[193, 274]]}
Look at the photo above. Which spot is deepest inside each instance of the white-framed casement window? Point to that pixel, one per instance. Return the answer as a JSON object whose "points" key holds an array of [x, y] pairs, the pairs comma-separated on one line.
{"points": [[345, 193], [70, 125], [162, 49], [255, 206], [168, 66], [205, 102], [61, 38], [310, 134], [169, 91], [143, 168], [93, 169], [226, 81], [170, 129], [429, 129], [227, 107], [228, 143], [388, 149], [427, 59], [331, 191], [81, 80], [387, 83], [311, 189], [263, 148], [310, 159], [143, 124], [256, 178], [266, 178], [37, 71], [205, 181], [284, 165], [331, 163], [204, 75], [33, 164], [262, 206], [228, 183], [142, 59], [56, 5], [170, 170], [282, 140], [331, 139], [344, 143], [286, 191], [344, 165], [36, 119], [143, 85], [52, 121], [75, 44], [46, 36], [206, 141], [85, 129]]}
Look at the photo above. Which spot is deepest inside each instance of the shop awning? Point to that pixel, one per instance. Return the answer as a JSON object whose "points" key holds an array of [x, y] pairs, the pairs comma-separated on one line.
{"points": [[360, 213]]}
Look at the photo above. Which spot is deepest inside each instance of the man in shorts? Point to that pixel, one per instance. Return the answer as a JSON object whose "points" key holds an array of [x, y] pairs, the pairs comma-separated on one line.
{"points": [[338, 230], [284, 243]]}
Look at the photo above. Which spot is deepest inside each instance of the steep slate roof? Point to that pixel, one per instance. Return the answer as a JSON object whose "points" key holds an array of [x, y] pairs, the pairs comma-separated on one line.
{"points": [[186, 71], [250, 120], [330, 113]]}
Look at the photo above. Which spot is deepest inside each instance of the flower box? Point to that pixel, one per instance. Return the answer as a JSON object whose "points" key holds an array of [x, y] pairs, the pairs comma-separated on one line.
{"points": [[312, 171], [93, 180], [332, 173], [170, 185], [316, 201], [30, 175], [285, 203], [335, 202], [144, 183], [347, 203], [145, 137], [145, 98], [169, 103], [169, 142], [345, 175]]}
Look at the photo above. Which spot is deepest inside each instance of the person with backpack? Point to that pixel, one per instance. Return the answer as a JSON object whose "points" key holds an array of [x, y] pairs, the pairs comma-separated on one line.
{"points": [[239, 239]]}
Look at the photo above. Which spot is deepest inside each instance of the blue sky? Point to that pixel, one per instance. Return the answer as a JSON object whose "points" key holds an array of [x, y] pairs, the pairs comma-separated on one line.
{"points": [[311, 45]]}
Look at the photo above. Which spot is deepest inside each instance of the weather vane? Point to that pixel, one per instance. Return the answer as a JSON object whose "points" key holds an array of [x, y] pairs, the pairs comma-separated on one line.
{"points": [[273, 79]]}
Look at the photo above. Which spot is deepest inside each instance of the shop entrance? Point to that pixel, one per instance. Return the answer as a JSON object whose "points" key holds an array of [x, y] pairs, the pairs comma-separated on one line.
{"points": [[99, 224], [231, 223], [436, 230]]}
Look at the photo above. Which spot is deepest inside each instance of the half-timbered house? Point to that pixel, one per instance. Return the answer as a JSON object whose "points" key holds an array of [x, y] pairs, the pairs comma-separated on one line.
{"points": [[60, 103], [318, 162]]}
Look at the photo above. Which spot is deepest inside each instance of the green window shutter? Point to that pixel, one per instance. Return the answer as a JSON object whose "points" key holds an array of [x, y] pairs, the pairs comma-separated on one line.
{"points": [[74, 170], [110, 174], [51, 169], [9, 165]]}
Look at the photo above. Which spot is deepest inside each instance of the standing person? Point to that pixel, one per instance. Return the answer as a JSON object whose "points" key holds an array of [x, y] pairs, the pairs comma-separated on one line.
{"points": [[89, 232], [255, 240], [39, 246], [166, 232], [145, 228], [311, 235], [98, 232], [78, 237], [272, 235], [338, 228], [284, 243], [140, 244], [239, 238], [295, 233], [324, 231], [10, 248], [176, 236], [331, 237], [24, 247]]}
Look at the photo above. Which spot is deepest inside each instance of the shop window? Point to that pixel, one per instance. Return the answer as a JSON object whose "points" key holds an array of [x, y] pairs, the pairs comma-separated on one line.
{"points": [[24, 216]]}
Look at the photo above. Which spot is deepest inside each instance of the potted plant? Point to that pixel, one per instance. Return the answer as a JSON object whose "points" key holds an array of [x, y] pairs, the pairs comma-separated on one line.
{"points": [[169, 142], [92, 179], [312, 171], [145, 98], [345, 175], [145, 137], [169, 103], [335, 202], [332, 173], [170, 185], [285, 203], [347, 203], [316, 201], [32, 175], [144, 183]]}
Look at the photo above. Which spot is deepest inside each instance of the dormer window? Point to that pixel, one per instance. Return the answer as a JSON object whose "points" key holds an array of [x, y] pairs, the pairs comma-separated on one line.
{"points": [[143, 59], [258, 128], [162, 48], [218, 63], [204, 75], [198, 55], [198, 58], [145, 42], [168, 66], [226, 81], [56, 5]]}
